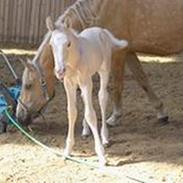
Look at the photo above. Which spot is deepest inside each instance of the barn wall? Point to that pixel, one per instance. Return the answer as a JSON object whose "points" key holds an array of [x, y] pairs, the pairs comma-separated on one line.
{"points": [[23, 21]]}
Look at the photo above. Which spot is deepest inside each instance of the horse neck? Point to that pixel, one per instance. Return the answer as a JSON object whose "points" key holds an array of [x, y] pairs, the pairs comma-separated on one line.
{"points": [[82, 14], [75, 52], [46, 63]]}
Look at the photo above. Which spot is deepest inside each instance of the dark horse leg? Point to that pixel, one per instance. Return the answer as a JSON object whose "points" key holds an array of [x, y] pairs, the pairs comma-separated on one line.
{"points": [[140, 76]]}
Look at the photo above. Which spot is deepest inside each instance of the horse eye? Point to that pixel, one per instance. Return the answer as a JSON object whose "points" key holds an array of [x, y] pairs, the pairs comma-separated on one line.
{"points": [[68, 44], [28, 86]]}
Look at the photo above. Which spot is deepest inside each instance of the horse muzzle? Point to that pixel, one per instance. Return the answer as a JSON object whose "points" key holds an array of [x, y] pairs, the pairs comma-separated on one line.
{"points": [[25, 120], [60, 74], [23, 116]]}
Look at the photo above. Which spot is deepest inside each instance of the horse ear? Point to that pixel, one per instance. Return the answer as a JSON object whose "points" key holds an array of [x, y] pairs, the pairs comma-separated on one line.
{"points": [[27, 63], [49, 24], [67, 23]]}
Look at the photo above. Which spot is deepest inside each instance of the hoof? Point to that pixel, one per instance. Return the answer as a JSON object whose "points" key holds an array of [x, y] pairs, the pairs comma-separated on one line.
{"points": [[84, 137], [163, 120], [66, 153], [106, 145], [113, 125], [114, 120], [102, 163], [64, 158]]}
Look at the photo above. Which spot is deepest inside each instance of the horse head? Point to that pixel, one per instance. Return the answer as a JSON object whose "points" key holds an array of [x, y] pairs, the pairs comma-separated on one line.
{"points": [[37, 87], [63, 42]]}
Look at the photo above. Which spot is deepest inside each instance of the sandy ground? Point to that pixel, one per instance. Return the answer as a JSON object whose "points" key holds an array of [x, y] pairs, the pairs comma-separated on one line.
{"points": [[141, 147]]}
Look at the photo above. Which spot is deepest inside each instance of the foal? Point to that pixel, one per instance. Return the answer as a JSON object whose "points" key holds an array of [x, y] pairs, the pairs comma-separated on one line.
{"points": [[77, 58]]}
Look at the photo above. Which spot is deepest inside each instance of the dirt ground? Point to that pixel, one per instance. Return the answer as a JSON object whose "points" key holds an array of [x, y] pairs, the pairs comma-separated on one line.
{"points": [[141, 147]]}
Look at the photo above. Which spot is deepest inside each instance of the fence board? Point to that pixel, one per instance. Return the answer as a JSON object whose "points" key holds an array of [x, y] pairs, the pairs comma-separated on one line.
{"points": [[1, 19], [18, 21], [6, 20], [23, 21], [14, 20]]}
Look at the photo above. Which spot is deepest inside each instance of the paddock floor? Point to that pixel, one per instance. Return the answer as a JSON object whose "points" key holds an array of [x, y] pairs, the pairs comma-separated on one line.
{"points": [[141, 147]]}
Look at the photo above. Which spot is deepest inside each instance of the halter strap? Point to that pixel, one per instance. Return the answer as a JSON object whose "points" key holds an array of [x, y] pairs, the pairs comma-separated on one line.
{"points": [[41, 109], [42, 80]]}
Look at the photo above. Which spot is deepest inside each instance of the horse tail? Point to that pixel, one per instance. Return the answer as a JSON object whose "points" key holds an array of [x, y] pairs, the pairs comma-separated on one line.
{"points": [[116, 43]]}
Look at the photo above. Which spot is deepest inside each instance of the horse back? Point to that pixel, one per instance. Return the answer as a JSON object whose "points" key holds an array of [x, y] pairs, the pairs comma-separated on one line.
{"points": [[149, 26]]}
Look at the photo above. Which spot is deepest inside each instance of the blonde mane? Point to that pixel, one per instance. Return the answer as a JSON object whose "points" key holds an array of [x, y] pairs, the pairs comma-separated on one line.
{"points": [[84, 10], [87, 12]]}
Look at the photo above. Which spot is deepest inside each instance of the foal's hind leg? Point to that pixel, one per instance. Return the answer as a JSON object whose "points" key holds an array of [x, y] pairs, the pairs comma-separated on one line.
{"points": [[86, 130], [103, 97], [118, 64], [140, 76], [91, 118]]}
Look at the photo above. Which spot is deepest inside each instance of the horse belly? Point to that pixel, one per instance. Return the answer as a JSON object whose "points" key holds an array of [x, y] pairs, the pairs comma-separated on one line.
{"points": [[92, 52], [92, 59]]}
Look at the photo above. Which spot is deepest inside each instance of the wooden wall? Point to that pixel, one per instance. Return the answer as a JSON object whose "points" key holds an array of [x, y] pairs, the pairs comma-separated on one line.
{"points": [[23, 21]]}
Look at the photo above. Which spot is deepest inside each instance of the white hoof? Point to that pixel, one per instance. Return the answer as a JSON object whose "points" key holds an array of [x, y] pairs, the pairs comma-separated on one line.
{"points": [[102, 162], [114, 120], [66, 153], [86, 132], [64, 158], [104, 134], [86, 129], [84, 137]]}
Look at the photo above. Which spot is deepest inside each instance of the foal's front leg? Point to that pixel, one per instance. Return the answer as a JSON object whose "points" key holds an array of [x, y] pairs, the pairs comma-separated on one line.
{"points": [[70, 88], [90, 116]]}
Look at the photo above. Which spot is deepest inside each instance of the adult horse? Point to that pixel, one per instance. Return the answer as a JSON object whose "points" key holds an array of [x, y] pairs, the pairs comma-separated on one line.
{"points": [[154, 27]]}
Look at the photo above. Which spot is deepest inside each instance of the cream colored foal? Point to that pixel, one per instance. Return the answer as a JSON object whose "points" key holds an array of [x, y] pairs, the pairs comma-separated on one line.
{"points": [[77, 58]]}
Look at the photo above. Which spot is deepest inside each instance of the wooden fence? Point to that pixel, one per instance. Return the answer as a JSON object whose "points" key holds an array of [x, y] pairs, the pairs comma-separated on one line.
{"points": [[23, 21]]}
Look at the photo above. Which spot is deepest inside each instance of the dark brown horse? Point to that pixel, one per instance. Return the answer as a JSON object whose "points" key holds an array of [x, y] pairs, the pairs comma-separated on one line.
{"points": [[154, 27]]}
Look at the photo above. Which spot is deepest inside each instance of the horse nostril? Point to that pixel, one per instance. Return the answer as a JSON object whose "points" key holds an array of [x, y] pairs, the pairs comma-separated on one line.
{"points": [[24, 120], [60, 72], [23, 117], [63, 71]]}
